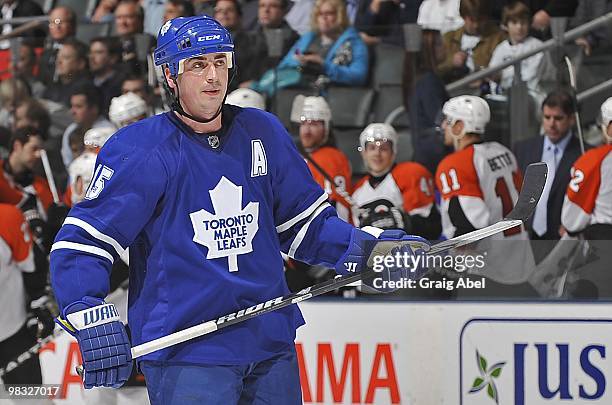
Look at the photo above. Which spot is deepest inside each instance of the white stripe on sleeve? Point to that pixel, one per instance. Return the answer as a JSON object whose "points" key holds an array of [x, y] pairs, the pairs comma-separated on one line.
{"points": [[83, 248], [95, 233], [300, 235], [304, 214]]}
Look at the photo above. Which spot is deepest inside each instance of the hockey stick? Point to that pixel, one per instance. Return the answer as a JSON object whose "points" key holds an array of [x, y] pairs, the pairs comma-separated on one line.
{"points": [[47, 167], [572, 77], [533, 185]]}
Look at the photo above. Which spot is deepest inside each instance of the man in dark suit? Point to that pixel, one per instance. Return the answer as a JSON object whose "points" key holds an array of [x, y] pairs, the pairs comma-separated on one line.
{"points": [[558, 148]]}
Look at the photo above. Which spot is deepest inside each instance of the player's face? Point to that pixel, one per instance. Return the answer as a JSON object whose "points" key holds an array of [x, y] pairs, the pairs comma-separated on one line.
{"points": [[312, 134], [518, 30], [452, 129], [203, 84], [28, 154], [556, 123], [378, 156]]}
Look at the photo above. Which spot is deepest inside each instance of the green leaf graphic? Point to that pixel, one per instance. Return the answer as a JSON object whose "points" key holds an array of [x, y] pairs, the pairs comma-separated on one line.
{"points": [[482, 363], [477, 382], [496, 372]]}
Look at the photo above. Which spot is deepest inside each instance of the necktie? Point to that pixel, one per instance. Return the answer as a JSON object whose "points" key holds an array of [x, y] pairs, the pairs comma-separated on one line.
{"points": [[551, 158]]}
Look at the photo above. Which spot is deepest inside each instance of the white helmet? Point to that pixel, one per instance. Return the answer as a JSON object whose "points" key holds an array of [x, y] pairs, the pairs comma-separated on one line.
{"points": [[97, 137], [126, 107], [605, 118], [472, 110], [82, 169], [316, 109], [246, 98], [378, 132]]}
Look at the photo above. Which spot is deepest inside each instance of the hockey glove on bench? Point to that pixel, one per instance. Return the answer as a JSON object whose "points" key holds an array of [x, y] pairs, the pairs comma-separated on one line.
{"points": [[103, 341]]}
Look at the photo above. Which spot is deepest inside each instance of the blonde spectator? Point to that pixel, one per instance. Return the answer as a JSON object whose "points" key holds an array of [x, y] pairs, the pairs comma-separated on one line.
{"points": [[332, 49]]}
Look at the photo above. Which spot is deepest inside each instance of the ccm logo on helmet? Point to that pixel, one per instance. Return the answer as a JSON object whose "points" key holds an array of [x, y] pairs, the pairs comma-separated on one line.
{"points": [[209, 37]]}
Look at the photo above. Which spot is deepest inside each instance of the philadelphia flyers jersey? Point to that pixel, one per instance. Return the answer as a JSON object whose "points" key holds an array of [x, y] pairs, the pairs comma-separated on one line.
{"points": [[336, 165], [408, 186], [479, 185], [15, 256], [588, 200], [13, 193]]}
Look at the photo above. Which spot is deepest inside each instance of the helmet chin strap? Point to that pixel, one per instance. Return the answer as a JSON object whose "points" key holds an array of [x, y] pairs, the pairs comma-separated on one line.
{"points": [[176, 103]]}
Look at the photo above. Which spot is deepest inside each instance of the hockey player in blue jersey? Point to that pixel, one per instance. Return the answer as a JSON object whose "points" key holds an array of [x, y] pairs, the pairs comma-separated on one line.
{"points": [[206, 197]]}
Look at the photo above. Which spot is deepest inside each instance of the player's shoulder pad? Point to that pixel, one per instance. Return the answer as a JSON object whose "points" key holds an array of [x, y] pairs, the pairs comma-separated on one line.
{"points": [[462, 161], [267, 125], [136, 141], [591, 160], [331, 153], [410, 169], [458, 168]]}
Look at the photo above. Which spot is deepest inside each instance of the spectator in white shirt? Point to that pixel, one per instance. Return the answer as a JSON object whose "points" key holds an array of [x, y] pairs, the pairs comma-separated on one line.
{"points": [[516, 19]]}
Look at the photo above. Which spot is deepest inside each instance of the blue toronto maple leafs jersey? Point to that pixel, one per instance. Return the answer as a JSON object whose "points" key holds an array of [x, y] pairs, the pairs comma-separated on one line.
{"points": [[205, 217]]}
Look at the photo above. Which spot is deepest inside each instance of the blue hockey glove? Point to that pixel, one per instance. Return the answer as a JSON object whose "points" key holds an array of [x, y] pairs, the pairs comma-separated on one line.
{"points": [[103, 341], [370, 246]]}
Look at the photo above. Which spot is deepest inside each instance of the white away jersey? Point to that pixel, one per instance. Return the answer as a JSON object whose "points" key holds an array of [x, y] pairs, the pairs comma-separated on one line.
{"points": [[15, 256], [484, 180], [408, 187], [588, 200]]}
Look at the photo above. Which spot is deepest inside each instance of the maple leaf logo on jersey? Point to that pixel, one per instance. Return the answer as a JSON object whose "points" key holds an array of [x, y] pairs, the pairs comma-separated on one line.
{"points": [[230, 230]]}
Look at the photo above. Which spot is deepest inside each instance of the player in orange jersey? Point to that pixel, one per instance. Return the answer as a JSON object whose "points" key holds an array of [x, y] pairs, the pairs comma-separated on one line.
{"points": [[393, 195], [480, 183], [16, 172], [325, 161], [587, 211], [587, 207], [21, 284]]}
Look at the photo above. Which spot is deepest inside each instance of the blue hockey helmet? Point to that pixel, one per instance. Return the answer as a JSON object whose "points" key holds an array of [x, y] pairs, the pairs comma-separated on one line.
{"points": [[187, 37]]}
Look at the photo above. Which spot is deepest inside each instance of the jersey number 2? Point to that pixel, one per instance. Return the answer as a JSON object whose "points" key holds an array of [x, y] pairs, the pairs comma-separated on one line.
{"points": [[501, 190]]}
